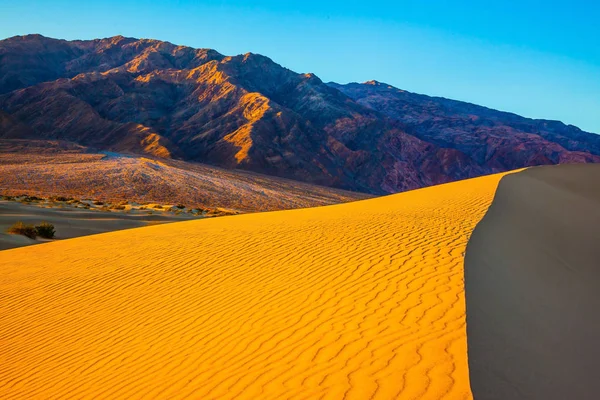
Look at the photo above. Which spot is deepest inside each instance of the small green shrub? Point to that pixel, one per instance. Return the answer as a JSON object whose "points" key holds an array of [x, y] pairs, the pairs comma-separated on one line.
{"points": [[45, 230], [20, 228]]}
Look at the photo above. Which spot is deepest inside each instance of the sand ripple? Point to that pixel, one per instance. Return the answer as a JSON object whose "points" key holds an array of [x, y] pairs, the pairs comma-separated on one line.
{"points": [[357, 301]]}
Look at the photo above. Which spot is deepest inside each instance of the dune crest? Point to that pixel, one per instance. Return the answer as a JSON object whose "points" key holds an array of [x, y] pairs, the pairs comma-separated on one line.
{"points": [[356, 301]]}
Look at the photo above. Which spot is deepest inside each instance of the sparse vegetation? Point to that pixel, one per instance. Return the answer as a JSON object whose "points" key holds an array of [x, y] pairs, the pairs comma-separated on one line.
{"points": [[20, 228], [119, 205], [30, 199], [45, 230]]}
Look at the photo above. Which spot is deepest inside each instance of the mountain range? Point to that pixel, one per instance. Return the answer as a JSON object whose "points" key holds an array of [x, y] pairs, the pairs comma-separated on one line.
{"points": [[150, 97]]}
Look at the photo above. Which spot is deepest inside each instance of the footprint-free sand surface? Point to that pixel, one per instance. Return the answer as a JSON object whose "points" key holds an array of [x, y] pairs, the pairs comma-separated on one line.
{"points": [[363, 300], [72, 222], [533, 288]]}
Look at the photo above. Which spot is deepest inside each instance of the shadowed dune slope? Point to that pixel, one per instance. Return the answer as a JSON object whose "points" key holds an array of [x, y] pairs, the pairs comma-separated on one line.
{"points": [[356, 301], [532, 283]]}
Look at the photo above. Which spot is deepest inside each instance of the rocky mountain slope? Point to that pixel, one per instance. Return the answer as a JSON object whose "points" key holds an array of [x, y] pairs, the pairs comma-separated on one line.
{"points": [[496, 140], [247, 112]]}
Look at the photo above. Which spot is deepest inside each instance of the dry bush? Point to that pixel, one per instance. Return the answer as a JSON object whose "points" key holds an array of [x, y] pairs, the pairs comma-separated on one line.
{"points": [[20, 228], [45, 230]]}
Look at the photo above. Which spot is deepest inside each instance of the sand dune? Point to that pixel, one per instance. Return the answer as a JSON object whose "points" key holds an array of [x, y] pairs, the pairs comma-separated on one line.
{"points": [[532, 287], [357, 301]]}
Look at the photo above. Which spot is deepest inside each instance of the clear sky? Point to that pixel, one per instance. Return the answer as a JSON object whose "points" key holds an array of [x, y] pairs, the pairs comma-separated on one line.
{"points": [[540, 59]]}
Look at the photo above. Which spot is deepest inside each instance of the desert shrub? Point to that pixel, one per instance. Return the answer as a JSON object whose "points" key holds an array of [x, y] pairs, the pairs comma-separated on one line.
{"points": [[98, 203], [158, 207], [117, 207], [31, 198], [180, 206], [20, 228], [45, 230]]}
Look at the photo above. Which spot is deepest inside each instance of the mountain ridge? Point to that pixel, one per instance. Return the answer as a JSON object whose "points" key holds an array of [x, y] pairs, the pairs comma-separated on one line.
{"points": [[146, 96]]}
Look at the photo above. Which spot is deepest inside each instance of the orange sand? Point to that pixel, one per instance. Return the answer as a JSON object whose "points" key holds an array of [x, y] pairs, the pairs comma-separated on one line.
{"points": [[356, 301]]}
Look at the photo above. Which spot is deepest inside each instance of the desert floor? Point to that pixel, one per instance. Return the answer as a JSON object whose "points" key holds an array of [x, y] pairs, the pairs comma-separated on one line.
{"points": [[47, 168], [362, 300], [71, 222]]}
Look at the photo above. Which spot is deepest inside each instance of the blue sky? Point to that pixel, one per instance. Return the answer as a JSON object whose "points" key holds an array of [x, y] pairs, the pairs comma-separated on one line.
{"points": [[540, 59]]}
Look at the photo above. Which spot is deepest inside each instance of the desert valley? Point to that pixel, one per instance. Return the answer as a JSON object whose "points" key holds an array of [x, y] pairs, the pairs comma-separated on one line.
{"points": [[226, 228]]}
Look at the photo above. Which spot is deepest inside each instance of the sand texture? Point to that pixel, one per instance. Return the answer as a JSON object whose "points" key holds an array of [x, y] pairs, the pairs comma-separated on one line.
{"points": [[533, 285], [363, 300]]}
